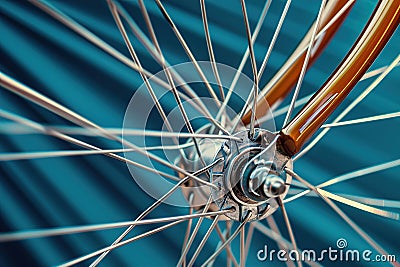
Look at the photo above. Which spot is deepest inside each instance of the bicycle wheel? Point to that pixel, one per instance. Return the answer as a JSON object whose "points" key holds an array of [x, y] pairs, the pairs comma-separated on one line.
{"points": [[55, 191]]}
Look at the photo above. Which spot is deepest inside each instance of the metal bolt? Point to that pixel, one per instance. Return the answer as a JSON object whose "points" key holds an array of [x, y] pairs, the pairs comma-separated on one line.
{"points": [[264, 183], [274, 186]]}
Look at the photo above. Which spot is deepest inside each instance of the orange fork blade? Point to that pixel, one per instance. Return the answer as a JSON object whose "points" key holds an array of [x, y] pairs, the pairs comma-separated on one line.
{"points": [[284, 80], [375, 35]]}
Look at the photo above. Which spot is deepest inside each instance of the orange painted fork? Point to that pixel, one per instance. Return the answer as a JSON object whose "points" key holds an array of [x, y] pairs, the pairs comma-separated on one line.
{"points": [[375, 35], [377, 32]]}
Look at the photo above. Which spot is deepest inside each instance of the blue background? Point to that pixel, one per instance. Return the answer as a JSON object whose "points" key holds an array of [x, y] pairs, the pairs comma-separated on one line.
{"points": [[45, 55]]}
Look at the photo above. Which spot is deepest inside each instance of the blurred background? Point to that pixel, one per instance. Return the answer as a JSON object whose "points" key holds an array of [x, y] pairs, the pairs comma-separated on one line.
{"points": [[44, 54]]}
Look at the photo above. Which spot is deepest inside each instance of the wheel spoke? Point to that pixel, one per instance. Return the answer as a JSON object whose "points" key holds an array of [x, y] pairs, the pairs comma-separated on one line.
{"points": [[360, 206], [210, 49], [91, 37], [25, 92], [395, 204], [183, 135], [280, 239], [289, 228], [159, 56], [378, 202], [305, 99], [156, 53], [204, 240], [361, 172], [249, 237], [42, 129], [229, 255], [244, 57], [354, 103], [228, 232], [296, 196], [154, 206], [73, 130], [242, 248], [305, 64], [253, 67], [40, 233], [299, 53], [363, 120], [94, 39], [70, 153], [376, 72], [194, 233], [187, 51], [274, 37], [188, 228], [263, 66], [70, 115], [228, 241], [273, 235], [350, 202], [169, 78], [274, 227], [115, 14], [338, 211], [120, 244], [349, 176]]}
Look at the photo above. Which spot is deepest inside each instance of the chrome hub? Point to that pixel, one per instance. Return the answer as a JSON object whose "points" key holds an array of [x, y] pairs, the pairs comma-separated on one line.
{"points": [[245, 180]]}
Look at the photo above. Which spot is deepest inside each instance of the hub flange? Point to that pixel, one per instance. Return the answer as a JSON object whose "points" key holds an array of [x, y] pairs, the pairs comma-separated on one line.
{"points": [[250, 187], [245, 181]]}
